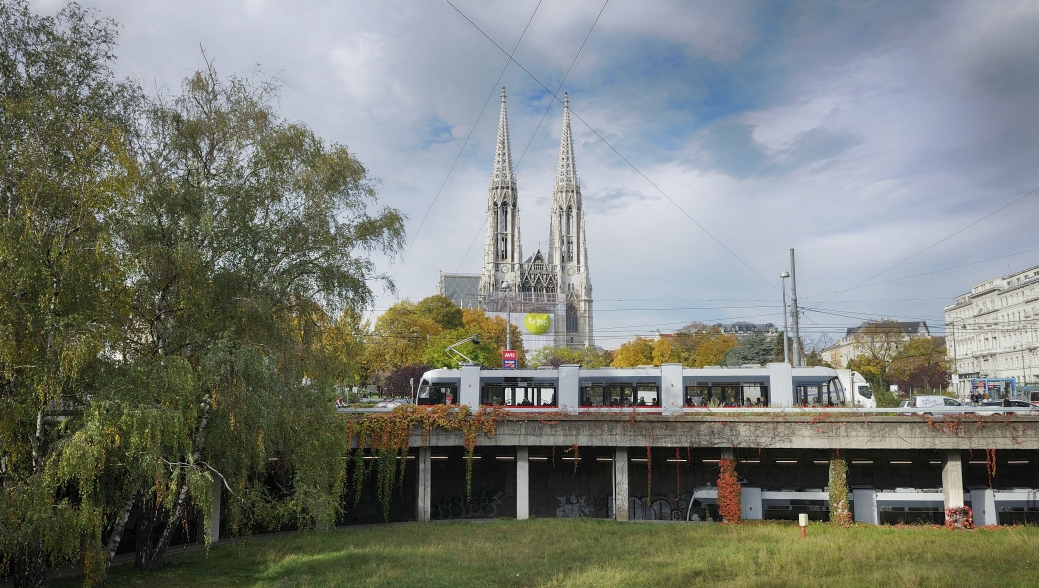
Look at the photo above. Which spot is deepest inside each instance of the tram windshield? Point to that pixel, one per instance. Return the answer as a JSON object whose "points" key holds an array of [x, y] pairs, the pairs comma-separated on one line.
{"points": [[436, 393], [830, 393]]}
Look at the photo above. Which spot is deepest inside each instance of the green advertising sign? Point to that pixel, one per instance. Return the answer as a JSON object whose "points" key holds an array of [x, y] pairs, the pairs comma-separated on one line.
{"points": [[537, 323]]}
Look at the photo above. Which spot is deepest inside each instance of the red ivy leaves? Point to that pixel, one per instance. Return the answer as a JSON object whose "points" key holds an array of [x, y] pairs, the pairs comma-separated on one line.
{"points": [[728, 491]]}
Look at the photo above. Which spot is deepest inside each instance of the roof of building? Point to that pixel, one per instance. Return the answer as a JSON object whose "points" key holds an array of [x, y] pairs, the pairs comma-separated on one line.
{"points": [[907, 327]]}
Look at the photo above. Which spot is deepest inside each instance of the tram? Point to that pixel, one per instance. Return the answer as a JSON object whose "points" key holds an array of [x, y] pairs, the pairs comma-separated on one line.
{"points": [[667, 388]]}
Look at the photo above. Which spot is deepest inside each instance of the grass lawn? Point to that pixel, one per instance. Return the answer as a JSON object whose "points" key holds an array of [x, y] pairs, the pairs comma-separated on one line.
{"points": [[599, 553]]}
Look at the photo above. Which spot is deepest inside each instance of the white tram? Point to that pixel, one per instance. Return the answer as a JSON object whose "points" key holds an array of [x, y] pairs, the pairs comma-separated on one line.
{"points": [[668, 388]]}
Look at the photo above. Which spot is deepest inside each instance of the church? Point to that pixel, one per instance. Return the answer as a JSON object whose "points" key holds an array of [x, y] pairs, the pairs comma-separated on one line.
{"points": [[549, 293]]}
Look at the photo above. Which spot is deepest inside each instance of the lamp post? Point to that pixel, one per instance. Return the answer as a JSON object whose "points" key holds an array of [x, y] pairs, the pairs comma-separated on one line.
{"points": [[508, 306], [786, 329]]}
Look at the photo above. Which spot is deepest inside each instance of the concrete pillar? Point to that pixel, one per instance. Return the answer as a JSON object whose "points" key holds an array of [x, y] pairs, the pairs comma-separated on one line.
{"points": [[422, 508], [952, 479], [522, 484], [215, 494], [620, 483]]}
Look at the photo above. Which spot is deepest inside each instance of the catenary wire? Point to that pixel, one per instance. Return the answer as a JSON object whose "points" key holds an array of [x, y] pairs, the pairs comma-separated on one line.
{"points": [[618, 153], [538, 128]]}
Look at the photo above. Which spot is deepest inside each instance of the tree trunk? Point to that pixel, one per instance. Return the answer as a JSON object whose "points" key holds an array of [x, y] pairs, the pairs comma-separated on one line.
{"points": [[115, 538], [145, 537], [159, 555], [29, 570]]}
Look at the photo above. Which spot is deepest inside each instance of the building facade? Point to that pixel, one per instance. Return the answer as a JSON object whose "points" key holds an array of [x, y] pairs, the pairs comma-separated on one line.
{"points": [[993, 330], [550, 292], [856, 340]]}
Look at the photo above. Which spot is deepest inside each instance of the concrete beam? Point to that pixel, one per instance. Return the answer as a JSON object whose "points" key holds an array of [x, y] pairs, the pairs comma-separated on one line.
{"points": [[952, 479], [522, 484], [425, 486], [771, 431], [620, 484]]}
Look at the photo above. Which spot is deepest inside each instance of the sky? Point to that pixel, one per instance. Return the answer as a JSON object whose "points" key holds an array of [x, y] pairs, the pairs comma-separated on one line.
{"points": [[874, 138]]}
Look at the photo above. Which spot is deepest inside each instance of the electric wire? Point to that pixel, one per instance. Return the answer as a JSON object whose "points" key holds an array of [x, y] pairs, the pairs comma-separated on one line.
{"points": [[464, 143], [538, 128], [925, 249], [614, 149]]}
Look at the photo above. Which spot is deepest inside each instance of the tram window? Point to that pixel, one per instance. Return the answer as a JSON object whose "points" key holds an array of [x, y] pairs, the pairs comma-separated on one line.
{"points": [[592, 395], [723, 394], [696, 395], [811, 395], [618, 395], [836, 392], [755, 394], [493, 394], [647, 395], [545, 396], [438, 394]]}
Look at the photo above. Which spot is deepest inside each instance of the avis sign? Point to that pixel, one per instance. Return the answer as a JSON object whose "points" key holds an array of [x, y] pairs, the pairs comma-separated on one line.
{"points": [[508, 359]]}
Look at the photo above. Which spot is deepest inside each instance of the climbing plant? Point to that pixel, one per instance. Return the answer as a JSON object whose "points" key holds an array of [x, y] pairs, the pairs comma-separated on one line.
{"points": [[387, 438], [728, 491], [839, 512]]}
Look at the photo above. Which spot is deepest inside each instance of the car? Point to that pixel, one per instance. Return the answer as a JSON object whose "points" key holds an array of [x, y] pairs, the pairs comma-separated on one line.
{"points": [[391, 404], [929, 401], [1014, 403]]}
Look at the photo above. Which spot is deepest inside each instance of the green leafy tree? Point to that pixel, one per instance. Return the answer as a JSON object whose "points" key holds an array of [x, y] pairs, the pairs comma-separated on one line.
{"points": [[587, 357], [247, 236], [754, 348], [699, 345], [64, 169], [441, 310]]}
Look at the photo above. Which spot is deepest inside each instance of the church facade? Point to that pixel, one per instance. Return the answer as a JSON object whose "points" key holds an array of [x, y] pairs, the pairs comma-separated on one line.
{"points": [[550, 291]]}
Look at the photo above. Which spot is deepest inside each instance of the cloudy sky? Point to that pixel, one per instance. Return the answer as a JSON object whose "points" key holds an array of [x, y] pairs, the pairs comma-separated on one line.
{"points": [[859, 133]]}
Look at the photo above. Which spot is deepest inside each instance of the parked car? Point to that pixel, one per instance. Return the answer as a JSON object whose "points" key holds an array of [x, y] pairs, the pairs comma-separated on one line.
{"points": [[1014, 403], [929, 401], [389, 404]]}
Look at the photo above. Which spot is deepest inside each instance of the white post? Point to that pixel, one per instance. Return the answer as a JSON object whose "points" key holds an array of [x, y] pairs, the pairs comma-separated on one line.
{"points": [[952, 479], [424, 485], [620, 483], [215, 494], [522, 484]]}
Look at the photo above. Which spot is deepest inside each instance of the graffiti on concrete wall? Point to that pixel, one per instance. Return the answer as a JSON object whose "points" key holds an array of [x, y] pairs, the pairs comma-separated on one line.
{"points": [[484, 505], [641, 509], [573, 506]]}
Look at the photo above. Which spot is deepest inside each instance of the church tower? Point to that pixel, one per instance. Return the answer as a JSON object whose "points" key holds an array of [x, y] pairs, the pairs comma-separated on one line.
{"points": [[502, 254], [568, 250]]}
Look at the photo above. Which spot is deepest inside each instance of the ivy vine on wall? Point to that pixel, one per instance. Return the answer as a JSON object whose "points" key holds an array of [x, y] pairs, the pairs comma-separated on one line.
{"points": [[728, 491], [387, 437], [839, 512]]}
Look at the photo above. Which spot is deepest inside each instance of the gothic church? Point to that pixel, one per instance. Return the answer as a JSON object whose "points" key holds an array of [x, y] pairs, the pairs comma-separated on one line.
{"points": [[555, 282]]}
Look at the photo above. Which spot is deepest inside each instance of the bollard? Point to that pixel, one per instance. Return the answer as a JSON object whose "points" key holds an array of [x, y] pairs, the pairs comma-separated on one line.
{"points": [[802, 519]]}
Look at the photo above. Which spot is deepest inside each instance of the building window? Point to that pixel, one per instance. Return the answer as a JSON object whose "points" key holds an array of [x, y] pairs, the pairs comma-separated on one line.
{"points": [[571, 318]]}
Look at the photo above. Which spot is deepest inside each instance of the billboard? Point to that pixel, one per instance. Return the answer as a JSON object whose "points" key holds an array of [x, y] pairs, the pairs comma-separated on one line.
{"points": [[508, 359]]}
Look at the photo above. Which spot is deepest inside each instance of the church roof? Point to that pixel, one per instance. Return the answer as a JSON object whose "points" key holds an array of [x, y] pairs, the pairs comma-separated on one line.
{"points": [[502, 173], [567, 171]]}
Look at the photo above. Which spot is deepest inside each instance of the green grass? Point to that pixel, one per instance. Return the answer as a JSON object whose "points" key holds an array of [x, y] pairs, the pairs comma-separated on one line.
{"points": [[598, 553]]}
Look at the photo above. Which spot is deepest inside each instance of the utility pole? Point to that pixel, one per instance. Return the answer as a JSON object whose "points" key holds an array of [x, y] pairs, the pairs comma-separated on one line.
{"points": [[786, 329], [793, 311]]}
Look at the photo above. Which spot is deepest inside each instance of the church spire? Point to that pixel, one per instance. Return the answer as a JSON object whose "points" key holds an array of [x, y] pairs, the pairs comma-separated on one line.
{"points": [[566, 174], [502, 174]]}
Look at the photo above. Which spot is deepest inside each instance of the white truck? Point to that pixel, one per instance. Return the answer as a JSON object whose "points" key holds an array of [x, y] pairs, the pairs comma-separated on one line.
{"points": [[859, 393]]}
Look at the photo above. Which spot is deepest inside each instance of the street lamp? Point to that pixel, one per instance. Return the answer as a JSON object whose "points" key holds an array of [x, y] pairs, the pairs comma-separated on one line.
{"points": [[508, 306], [786, 330]]}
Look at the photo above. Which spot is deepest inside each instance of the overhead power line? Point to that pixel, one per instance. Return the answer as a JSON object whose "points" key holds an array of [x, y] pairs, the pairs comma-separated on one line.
{"points": [[534, 134], [932, 246], [614, 149]]}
